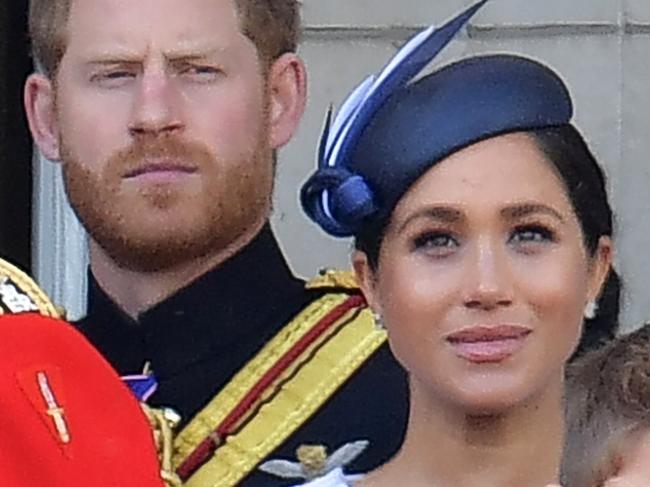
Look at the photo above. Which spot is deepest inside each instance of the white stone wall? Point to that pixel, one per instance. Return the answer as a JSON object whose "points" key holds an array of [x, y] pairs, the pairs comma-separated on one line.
{"points": [[600, 47]]}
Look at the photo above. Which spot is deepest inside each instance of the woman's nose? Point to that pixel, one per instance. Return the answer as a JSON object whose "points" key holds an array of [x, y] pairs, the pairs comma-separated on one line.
{"points": [[488, 279]]}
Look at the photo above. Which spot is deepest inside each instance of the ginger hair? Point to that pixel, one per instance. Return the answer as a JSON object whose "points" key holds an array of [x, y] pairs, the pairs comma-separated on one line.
{"points": [[272, 25]]}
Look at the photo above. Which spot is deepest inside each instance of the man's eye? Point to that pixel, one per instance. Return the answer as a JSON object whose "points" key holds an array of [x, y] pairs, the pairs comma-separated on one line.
{"points": [[201, 73], [112, 78], [119, 75]]}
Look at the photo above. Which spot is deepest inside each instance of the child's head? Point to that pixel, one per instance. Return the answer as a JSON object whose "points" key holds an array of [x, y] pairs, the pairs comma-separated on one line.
{"points": [[608, 414]]}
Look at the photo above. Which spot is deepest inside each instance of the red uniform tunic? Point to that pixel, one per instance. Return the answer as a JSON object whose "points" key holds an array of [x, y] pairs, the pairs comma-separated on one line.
{"points": [[66, 418]]}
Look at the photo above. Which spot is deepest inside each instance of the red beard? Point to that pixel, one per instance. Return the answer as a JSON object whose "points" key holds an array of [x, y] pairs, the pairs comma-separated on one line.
{"points": [[152, 227]]}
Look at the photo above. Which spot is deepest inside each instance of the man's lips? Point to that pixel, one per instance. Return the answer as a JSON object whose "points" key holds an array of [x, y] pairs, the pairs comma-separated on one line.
{"points": [[488, 343], [159, 168]]}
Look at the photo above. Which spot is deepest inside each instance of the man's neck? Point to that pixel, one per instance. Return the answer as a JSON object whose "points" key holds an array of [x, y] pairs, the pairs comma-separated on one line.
{"points": [[136, 291]]}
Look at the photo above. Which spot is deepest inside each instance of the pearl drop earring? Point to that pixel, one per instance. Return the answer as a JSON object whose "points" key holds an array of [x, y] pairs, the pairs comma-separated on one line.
{"points": [[591, 310], [379, 321]]}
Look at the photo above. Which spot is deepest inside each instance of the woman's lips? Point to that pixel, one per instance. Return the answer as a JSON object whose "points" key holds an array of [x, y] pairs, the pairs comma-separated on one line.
{"points": [[487, 343]]}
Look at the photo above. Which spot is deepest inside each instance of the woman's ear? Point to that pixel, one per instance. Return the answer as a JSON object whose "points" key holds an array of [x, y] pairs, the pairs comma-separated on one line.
{"points": [[600, 267], [367, 279], [287, 89]]}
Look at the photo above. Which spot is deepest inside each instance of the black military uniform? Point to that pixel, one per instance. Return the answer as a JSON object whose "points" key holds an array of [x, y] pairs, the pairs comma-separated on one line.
{"points": [[199, 338]]}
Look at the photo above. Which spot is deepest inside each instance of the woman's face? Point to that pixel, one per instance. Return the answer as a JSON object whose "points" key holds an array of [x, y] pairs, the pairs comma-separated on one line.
{"points": [[483, 277]]}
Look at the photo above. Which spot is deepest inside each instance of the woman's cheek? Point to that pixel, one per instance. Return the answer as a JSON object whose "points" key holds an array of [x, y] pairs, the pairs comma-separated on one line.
{"points": [[557, 298], [417, 290], [416, 303]]}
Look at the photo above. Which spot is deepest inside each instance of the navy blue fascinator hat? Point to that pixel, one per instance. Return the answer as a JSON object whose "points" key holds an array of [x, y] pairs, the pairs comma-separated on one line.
{"points": [[390, 131]]}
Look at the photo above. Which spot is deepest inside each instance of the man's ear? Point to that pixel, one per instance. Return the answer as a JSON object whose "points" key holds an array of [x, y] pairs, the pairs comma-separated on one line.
{"points": [[367, 279], [39, 100], [287, 88], [600, 267]]}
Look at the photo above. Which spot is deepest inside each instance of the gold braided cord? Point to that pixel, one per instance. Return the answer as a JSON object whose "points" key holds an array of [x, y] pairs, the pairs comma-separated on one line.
{"points": [[207, 420], [29, 287], [163, 433], [309, 388]]}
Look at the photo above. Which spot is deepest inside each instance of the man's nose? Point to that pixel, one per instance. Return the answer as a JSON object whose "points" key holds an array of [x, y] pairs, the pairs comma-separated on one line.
{"points": [[489, 281], [156, 106]]}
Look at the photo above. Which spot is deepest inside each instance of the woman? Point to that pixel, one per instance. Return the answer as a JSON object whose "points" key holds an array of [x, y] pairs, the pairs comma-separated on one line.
{"points": [[483, 242]]}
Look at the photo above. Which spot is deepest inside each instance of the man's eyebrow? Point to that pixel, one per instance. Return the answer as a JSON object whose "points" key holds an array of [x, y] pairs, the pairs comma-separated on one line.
{"points": [[193, 53], [187, 53], [526, 209], [109, 61], [444, 214], [101, 56]]}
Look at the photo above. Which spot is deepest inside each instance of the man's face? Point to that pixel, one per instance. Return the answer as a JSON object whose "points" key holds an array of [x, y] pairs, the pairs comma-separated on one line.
{"points": [[161, 111]]}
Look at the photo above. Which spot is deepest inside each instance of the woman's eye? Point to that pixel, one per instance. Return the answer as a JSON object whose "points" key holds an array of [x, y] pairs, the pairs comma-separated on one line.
{"points": [[533, 234], [438, 243]]}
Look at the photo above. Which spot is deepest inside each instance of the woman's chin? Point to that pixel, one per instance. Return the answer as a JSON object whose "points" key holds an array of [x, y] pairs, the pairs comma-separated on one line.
{"points": [[490, 407], [491, 399]]}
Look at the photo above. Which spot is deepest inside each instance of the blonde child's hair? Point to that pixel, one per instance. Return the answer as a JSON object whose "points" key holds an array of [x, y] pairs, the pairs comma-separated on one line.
{"points": [[607, 405]]}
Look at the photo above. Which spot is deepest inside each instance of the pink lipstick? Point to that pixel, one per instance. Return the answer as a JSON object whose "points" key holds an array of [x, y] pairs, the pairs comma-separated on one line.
{"points": [[488, 344]]}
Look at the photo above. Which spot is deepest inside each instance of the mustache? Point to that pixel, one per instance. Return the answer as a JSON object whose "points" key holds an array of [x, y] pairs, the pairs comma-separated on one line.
{"points": [[184, 153]]}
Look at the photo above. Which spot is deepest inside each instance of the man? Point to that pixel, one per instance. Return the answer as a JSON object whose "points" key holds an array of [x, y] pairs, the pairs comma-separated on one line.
{"points": [[166, 116]]}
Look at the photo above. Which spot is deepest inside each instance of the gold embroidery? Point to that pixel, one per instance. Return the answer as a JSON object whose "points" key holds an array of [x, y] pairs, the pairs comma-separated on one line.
{"points": [[163, 422], [25, 289], [334, 278]]}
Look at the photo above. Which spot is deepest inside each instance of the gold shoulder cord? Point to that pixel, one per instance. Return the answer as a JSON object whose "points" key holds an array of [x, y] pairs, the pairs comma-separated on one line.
{"points": [[335, 279], [294, 397], [20, 294]]}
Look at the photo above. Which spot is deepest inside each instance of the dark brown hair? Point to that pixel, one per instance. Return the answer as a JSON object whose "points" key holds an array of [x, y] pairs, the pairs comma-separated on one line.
{"points": [[272, 25]]}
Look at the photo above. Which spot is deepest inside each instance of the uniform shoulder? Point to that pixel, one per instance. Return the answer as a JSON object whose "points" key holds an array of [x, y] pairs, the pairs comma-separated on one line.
{"points": [[20, 294], [334, 279]]}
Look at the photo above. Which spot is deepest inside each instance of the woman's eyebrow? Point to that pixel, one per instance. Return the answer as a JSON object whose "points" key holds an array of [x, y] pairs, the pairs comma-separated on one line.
{"points": [[526, 209], [444, 214]]}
